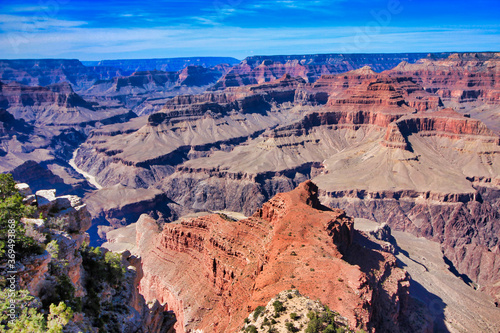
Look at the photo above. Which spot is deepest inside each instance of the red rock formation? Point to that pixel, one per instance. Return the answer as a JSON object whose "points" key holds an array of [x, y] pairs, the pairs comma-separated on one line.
{"points": [[42, 72], [61, 94], [154, 81], [260, 69], [468, 82], [213, 271], [465, 225], [461, 77]]}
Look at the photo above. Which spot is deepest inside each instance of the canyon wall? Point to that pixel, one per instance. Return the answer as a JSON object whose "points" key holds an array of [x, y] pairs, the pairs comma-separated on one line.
{"points": [[213, 270]]}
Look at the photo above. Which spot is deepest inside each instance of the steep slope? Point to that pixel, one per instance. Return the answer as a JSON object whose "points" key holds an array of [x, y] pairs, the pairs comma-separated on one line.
{"points": [[41, 126], [36, 156], [469, 82], [52, 105], [43, 72], [213, 271], [455, 306], [363, 129], [67, 273], [424, 180], [146, 91], [188, 127]]}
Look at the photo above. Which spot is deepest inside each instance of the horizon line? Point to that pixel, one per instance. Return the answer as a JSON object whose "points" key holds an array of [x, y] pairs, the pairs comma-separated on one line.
{"points": [[255, 55]]}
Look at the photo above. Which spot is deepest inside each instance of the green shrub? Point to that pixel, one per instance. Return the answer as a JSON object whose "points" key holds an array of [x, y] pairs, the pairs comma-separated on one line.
{"points": [[314, 326], [328, 317], [290, 327], [100, 268], [12, 208], [258, 311], [105, 267], [278, 306], [53, 248], [63, 291], [29, 319], [59, 316], [116, 270], [294, 316], [251, 329], [226, 217], [330, 329], [312, 315]]}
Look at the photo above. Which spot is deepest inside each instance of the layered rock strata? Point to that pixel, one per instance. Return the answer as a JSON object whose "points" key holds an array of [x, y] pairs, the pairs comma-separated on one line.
{"points": [[259, 69], [380, 144], [469, 82], [213, 271], [43, 72], [145, 92], [53, 105]]}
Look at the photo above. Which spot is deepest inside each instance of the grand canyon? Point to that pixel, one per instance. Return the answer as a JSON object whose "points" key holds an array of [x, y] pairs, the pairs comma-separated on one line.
{"points": [[354, 192]]}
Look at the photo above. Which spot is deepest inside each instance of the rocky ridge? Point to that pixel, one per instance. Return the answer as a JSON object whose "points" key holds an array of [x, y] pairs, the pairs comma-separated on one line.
{"points": [[259, 69], [64, 100], [64, 220], [53, 105], [43, 72], [385, 146], [291, 242], [468, 82], [145, 92], [162, 64], [290, 311]]}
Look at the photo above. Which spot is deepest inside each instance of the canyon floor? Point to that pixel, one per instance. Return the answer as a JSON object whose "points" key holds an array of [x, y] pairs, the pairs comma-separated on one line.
{"points": [[454, 305]]}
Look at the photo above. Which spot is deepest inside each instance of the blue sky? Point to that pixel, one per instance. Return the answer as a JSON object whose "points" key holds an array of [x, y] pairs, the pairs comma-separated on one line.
{"points": [[95, 30]]}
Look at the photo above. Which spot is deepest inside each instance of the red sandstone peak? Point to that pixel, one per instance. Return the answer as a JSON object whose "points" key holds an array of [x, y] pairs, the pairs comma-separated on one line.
{"points": [[276, 208], [212, 271], [366, 70]]}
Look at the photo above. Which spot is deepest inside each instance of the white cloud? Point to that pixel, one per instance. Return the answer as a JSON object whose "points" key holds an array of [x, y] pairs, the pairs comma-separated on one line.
{"points": [[95, 44], [296, 4], [10, 23], [25, 8]]}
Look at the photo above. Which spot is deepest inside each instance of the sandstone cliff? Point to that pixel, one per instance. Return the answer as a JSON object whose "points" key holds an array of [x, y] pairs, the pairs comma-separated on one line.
{"points": [[417, 152], [145, 92], [468, 82], [53, 105], [259, 69], [43, 72], [212, 271]]}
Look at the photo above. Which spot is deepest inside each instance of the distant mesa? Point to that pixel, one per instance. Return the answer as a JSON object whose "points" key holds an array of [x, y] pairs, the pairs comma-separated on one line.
{"points": [[162, 64]]}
